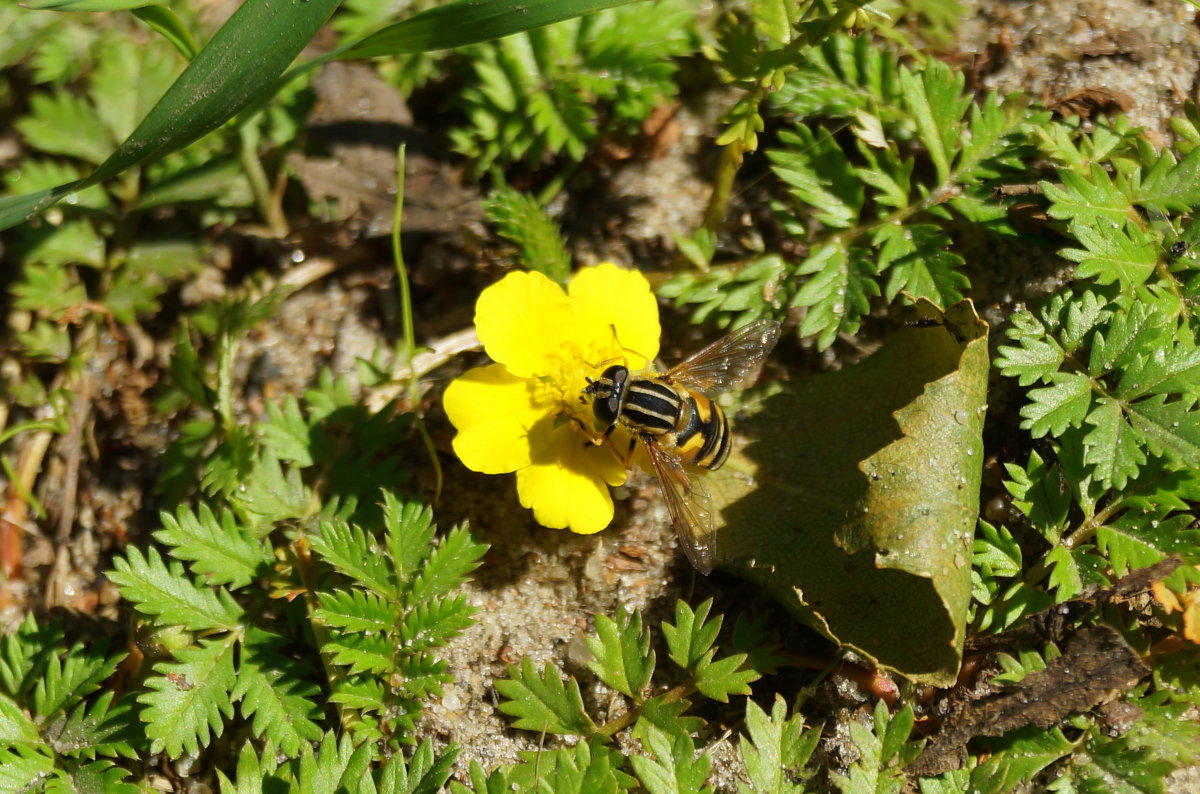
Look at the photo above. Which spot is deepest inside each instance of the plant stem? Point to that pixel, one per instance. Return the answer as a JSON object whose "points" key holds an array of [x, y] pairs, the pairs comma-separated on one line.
{"points": [[409, 349]]}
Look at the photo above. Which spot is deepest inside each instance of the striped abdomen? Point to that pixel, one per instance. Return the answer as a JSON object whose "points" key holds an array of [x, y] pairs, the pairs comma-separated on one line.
{"points": [[684, 422]]}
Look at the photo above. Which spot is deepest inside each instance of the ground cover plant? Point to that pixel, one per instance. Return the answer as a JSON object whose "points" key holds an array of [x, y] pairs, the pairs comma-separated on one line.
{"points": [[955, 539]]}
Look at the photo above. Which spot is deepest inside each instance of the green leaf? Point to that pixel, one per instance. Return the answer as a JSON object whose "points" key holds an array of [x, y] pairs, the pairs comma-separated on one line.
{"points": [[724, 677], [1169, 185], [996, 551], [874, 771], [621, 653], [423, 674], [1065, 578], [1017, 757], [366, 694], [1139, 541], [239, 65], [221, 552], [74, 242], [919, 262], [448, 566], [410, 533], [587, 768], [860, 523], [426, 773], [99, 728], [222, 181], [1111, 446], [818, 174], [24, 767], [170, 27], [64, 124], [775, 748], [127, 82], [1140, 760], [1112, 252], [1065, 403], [543, 702], [272, 693], [519, 218], [691, 637], [670, 766], [167, 594], [937, 101], [355, 611], [667, 713], [99, 775], [66, 682], [16, 725], [1038, 492], [432, 624], [189, 700], [287, 433], [1087, 202], [86, 5], [838, 292], [51, 290], [353, 554], [463, 22], [362, 653], [1166, 428], [264, 491]]}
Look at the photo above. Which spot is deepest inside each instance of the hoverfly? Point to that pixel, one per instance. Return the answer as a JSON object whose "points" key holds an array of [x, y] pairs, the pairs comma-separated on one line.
{"points": [[679, 424]]}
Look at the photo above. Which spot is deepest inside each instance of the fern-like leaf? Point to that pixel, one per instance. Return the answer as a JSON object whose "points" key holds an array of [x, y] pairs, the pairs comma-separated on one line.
{"points": [[165, 593], [447, 567], [520, 219], [220, 551], [353, 554], [543, 701], [189, 700], [355, 611], [621, 653], [272, 693], [432, 624], [776, 745], [671, 765], [691, 637], [410, 531]]}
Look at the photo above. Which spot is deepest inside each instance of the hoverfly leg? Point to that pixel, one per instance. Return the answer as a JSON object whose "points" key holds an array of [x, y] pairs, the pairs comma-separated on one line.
{"points": [[629, 454]]}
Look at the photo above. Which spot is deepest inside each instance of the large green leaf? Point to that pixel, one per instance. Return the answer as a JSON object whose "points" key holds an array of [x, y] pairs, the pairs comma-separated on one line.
{"points": [[855, 500], [240, 65]]}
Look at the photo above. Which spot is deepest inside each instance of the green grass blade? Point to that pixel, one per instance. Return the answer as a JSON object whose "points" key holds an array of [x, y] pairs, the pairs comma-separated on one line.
{"points": [[86, 5], [465, 22], [240, 65]]}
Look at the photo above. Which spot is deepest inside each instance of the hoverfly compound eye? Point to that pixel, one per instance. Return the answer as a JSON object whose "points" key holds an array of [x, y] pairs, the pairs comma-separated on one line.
{"points": [[608, 391]]}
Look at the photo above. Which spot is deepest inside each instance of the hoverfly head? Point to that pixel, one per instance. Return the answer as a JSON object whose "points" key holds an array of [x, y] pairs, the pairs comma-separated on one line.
{"points": [[608, 393]]}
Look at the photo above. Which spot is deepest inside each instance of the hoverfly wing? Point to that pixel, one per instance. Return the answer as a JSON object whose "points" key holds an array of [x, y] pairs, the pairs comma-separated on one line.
{"points": [[687, 501], [730, 361]]}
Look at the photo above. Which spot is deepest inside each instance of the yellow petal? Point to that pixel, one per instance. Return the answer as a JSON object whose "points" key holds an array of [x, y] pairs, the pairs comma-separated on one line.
{"points": [[494, 413], [567, 482], [521, 321], [608, 297]]}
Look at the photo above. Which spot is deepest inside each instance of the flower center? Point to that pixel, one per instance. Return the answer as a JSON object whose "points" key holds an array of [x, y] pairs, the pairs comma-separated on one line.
{"points": [[561, 386]]}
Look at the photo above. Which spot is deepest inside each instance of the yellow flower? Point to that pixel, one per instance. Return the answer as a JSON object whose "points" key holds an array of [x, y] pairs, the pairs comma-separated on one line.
{"points": [[524, 414]]}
